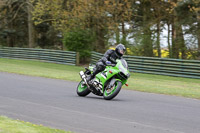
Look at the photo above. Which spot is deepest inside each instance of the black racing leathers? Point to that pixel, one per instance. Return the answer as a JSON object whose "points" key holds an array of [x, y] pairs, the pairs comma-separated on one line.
{"points": [[111, 56]]}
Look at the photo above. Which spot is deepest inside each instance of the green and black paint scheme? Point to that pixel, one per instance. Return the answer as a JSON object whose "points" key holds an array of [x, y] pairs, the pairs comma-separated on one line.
{"points": [[107, 83]]}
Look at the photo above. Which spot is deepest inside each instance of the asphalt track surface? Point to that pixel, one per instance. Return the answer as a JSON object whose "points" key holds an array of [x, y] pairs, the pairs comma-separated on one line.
{"points": [[54, 103]]}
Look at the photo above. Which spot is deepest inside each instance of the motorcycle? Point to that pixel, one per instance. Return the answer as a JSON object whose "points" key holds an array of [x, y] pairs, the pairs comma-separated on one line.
{"points": [[107, 83]]}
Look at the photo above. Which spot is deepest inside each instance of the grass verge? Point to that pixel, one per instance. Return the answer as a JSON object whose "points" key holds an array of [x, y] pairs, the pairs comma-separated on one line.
{"points": [[8, 125], [141, 82]]}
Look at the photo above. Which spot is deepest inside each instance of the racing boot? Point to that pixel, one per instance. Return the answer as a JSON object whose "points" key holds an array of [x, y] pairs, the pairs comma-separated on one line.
{"points": [[90, 77]]}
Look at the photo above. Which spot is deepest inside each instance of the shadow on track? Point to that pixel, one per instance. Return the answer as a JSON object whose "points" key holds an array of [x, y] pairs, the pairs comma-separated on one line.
{"points": [[101, 98]]}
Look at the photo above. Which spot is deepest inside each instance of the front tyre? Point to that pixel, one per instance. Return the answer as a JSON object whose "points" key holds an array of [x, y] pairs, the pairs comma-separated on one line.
{"points": [[110, 93], [82, 90]]}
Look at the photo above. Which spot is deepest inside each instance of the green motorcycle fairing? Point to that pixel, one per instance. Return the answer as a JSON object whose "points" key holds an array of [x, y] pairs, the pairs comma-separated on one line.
{"points": [[110, 72]]}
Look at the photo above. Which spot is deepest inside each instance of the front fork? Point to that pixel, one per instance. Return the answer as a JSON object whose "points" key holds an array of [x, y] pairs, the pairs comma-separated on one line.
{"points": [[112, 83]]}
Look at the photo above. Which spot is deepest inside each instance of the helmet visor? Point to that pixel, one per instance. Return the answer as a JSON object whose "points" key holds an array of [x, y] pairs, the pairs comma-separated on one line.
{"points": [[121, 51]]}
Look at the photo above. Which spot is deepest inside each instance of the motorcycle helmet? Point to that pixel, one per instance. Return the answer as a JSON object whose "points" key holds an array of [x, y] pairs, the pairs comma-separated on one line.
{"points": [[120, 50]]}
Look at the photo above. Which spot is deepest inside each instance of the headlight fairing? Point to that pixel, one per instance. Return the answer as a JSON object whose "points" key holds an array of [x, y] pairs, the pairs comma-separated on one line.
{"points": [[124, 73]]}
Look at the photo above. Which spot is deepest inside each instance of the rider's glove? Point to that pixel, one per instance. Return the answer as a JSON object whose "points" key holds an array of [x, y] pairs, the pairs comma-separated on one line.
{"points": [[108, 62]]}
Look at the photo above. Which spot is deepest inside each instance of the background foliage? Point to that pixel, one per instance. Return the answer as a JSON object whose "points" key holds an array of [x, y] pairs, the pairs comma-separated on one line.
{"points": [[82, 42], [142, 25]]}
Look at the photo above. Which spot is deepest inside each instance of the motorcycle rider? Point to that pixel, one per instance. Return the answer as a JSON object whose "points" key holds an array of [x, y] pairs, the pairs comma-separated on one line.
{"points": [[109, 57]]}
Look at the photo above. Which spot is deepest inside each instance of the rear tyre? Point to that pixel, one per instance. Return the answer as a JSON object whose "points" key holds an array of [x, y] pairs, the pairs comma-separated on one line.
{"points": [[110, 93], [82, 90]]}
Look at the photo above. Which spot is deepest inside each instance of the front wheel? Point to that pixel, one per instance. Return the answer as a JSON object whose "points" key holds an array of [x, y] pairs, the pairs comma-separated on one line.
{"points": [[82, 89], [110, 93]]}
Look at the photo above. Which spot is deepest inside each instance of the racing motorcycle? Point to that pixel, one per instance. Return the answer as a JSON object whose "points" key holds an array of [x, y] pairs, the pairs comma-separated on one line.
{"points": [[107, 83]]}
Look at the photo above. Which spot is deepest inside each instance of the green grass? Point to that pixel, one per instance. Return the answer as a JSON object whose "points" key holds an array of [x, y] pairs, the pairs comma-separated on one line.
{"points": [[42, 69], [8, 125], [141, 82]]}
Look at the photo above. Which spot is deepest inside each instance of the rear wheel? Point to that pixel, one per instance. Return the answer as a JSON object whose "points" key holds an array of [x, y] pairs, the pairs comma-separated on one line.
{"points": [[110, 93], [82, 89]]}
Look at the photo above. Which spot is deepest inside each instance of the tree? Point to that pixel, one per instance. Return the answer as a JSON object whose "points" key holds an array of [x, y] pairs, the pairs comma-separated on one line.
{"points": [[104, 19], [194, 6], [99, 16], [30, 25], [178, 43], [16, 22], [142, 23], [12, 21], [81, 40], [159, 17]]}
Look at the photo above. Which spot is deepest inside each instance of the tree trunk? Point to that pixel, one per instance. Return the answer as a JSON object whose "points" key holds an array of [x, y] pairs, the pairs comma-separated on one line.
{"points": [[175, 42], [158, 39], [100, 42], [123, 34], [175, 53], [30, 26], [168, 41], [10, 41], [198, 52], [10, 38], [199, 42], [117, 35], [178, 42], [147, 42], [147, 33], [182, 42], [198, 35]]}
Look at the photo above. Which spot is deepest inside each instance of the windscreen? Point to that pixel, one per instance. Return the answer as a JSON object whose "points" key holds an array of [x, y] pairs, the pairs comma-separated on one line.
{"points": [[124, 63]]}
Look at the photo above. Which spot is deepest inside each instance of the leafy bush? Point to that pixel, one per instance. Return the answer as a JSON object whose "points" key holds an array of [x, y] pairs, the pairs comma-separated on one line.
{"points": [[80, 41]]}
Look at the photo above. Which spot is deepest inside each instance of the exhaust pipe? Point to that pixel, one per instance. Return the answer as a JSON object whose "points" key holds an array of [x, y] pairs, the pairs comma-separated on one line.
{"points": [[84, 78], [82, 74]]}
